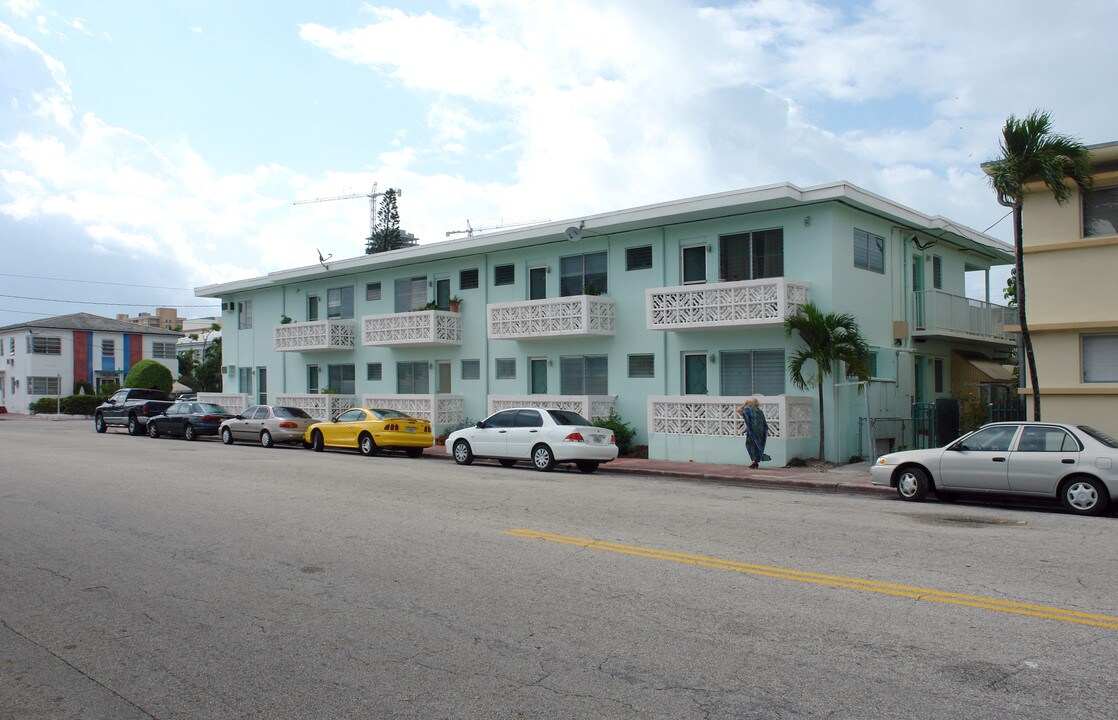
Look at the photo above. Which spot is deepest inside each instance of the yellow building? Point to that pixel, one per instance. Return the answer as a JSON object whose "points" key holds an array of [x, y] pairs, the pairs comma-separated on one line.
{"points": [[1070, 258]]}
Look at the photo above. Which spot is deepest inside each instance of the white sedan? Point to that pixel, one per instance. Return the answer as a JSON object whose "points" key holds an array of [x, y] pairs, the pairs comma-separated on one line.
{"points": [[544, 437], [1074, 463]]}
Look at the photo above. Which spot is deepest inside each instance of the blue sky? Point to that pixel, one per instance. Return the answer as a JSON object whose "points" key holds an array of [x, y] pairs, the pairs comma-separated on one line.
{"points": [[163, 143]]}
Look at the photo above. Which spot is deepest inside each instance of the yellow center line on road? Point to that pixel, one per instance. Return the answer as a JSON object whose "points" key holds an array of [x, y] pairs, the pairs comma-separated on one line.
{"points": [[916, 593]]}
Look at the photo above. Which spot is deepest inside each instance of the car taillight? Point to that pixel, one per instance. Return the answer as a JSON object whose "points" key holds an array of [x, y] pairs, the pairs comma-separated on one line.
{"points": [[574, 437], [211, 418], [288, 424], [612, 440], [391, 427]]}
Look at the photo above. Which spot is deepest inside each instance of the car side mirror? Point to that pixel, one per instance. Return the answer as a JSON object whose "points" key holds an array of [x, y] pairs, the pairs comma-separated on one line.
{"points": [[480, 425]]}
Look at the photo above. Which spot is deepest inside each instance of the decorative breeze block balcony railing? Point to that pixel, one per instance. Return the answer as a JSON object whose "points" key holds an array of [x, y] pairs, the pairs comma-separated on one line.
{"points": [[320, 407], [573, 316], [421, 327], [726, 304], [437, 409], [708, 415], [316, 335], [591, 407], [938, 313], [233, 402]]}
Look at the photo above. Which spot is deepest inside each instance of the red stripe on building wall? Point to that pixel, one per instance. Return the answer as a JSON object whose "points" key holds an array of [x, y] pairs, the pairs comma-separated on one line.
{"points": [[135, 350], [81, 356]]}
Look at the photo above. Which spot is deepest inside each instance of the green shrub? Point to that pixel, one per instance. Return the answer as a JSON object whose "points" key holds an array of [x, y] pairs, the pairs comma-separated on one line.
{"points": [[83, 385], [797, 462], [47, 405], [623, 432], [441, 439], [81, 404], [151, 375]]}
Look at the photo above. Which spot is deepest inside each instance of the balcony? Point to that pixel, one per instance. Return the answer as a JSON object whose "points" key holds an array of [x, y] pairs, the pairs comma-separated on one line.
{"points": [[437, 409], [742, 303], [320, 407], [939, 314], [315, 335], [420, 328], [573, 316], [788, 417], [591, 407]]}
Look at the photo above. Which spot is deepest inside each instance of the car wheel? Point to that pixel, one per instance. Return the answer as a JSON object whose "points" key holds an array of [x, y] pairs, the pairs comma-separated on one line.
{"points": [[367, 445], [542, 458], [153, 430], [226, 436], [99, 424], [913, 484], [587, 466], [189, 432], [463, 455], [414, 452], [266, 439], [317, 442], [307, 445], [1084, 496], [506, 462], [134, 425]]}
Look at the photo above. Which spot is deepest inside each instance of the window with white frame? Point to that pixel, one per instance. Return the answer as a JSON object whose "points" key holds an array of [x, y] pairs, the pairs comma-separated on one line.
{"points": [[1099, 358], [584, 375], [695, 373], [937, 272], [694, 262], [751, 255], [411, 293], [372, 291], [583, 274], [373, 371], [504, 368], [244, 380], [40, 345], [413, 378], [163, 350], [1100, 212], [471, 369], [339, 303], [504, 274], [869, 251], [638, 258], [244, 315], [312, 379], [108, 348], [642, 366], [752, 372], [42, 385], [468, 279], [341, 379]]}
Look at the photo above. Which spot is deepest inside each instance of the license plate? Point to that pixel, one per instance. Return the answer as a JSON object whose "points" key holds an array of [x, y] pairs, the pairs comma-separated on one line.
{"points": [[409, 429]]}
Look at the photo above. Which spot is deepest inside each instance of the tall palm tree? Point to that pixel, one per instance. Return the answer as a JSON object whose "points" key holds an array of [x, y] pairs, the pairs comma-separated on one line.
{"points": [[827, 338], [1032, 152]]}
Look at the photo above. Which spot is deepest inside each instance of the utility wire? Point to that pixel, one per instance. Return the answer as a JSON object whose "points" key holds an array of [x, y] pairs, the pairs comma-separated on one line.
{"points": [[94, 282], [94, 302], [1003, 217]]}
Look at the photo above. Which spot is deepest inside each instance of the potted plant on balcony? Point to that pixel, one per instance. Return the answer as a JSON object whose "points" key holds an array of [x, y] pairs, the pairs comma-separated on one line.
{"points": [[454, 303], [285, 320]]}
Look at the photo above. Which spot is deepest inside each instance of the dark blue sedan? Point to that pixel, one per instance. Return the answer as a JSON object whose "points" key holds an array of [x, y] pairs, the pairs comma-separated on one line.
{"points": [[189, 420]]}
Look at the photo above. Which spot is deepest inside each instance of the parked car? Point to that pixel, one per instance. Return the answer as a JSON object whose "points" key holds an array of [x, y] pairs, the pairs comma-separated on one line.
{"points": [[130, 408], [1074, 463], [189, 420], [371, 430], [268, 425], [543, 436]]}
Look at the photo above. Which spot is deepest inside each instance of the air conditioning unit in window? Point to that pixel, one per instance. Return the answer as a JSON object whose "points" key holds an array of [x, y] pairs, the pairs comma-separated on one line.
{"points": [[227, 306], [228, 369]]}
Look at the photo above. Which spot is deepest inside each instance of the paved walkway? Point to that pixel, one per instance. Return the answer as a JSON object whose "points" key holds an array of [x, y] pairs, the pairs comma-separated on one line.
{"points": [[853, 478]]}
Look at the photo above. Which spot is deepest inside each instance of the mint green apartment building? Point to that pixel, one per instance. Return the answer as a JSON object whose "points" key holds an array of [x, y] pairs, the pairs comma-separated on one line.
{"points": [[669, 315]]}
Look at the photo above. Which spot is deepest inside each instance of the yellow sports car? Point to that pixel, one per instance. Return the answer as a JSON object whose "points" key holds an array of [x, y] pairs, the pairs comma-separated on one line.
{"points": [[371, 430]]}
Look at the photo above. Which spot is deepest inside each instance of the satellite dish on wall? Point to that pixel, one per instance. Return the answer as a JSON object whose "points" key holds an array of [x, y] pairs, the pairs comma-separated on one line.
{"points": [[574, 233]]}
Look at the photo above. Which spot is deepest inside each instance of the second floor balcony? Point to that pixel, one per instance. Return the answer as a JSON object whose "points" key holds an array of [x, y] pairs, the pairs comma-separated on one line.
{"points": [[939, 314], [330, 334], [573, 316], [741, 303], [418, 328]]}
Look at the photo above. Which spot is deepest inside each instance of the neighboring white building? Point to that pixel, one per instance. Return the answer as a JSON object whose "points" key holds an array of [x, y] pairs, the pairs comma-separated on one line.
{"points": [[47, 357], [669, 314]]}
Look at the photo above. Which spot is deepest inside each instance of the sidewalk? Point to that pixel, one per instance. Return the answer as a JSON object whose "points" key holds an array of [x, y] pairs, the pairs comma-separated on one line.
{"points": [[853, 478]]}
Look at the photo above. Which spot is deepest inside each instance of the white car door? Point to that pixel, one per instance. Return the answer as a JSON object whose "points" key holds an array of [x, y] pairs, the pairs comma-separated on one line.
{"points": [[491, 439], [524, 434]]}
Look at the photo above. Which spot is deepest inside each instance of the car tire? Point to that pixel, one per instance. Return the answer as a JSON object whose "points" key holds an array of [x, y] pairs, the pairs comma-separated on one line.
{"points": [[266, 439], [226, 436], [99, 424], [134, 425], [153, 430], [366, 445], [414, 452], [913, 484], [587, 466], [189, 432], [463, 455], [543, 458], [307, 445], [317, 443], [506, 462], [1084, 496]]}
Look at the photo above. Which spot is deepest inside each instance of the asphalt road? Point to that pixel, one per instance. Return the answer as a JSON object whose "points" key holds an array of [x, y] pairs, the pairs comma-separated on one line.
{"points": [[146, 578]]}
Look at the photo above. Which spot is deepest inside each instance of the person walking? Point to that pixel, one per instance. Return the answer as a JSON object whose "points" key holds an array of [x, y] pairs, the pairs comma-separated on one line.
{"points": [[756, 430]]}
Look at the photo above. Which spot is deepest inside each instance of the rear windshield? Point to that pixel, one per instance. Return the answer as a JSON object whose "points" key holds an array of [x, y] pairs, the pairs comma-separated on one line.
{"points": [[566, 417], [290, 412], [209, 408], [1100, 436], [147, 395], [389, 414]]}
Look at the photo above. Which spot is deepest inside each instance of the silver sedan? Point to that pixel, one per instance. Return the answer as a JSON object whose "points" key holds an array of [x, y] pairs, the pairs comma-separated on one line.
{"points": [[1074, 463], [268, 425]]}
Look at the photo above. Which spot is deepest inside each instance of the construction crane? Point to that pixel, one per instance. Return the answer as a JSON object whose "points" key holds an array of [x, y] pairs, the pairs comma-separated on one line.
{"points": [[372, 204], [470, 229]]}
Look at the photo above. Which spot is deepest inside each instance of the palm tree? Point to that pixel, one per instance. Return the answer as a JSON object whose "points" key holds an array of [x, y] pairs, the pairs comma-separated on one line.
{"points": [[1031, 152], [827, 338]]}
